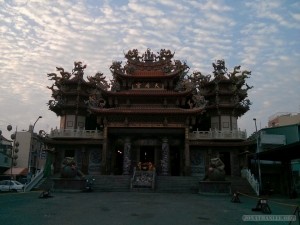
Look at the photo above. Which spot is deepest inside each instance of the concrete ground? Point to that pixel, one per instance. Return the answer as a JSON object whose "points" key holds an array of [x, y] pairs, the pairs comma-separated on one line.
{"points": [[132, 208]]}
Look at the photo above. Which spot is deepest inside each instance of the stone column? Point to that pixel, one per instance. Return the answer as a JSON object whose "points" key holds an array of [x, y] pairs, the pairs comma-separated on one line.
{"points": [[104, 152], [84, 160], [126, 157], [165, 157], [187, 160]]}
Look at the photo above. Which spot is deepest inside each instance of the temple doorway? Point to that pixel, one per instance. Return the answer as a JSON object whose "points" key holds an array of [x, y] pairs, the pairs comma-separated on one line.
{"points": [[147, 154], [118, 169], [225, 157], [175, 161]]}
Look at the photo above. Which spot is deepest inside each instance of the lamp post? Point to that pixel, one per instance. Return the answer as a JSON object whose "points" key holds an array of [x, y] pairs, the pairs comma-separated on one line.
{"points": [[30, 146], [13, 153], [257, 153]]}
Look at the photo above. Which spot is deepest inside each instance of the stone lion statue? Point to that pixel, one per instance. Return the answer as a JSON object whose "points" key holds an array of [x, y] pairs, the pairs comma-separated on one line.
{"points": [[69, 168], [216, 170]]}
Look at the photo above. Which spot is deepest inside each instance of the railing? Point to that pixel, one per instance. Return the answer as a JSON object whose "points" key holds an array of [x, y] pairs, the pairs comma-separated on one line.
{"points": [[35, 179], [76, 133], [246, 173], [218, 134]]}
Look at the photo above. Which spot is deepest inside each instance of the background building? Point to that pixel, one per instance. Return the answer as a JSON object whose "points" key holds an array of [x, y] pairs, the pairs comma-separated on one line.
{"points": [[283, 118], [5, 151], [29, 157]]}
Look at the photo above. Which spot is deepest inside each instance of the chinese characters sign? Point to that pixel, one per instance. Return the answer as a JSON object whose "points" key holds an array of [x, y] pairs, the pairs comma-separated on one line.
{"points": [[147, 86]]}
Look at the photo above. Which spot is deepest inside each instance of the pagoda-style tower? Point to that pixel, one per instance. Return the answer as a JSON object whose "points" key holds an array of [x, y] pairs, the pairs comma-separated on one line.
{"points": [[225, 95], [78, 128], [71, 92]]}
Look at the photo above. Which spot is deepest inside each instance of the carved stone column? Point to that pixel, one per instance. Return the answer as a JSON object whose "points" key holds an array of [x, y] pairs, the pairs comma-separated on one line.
{"points": [[187, 160], [165, 157], [104, 152], [126, 157], [84, 161]]}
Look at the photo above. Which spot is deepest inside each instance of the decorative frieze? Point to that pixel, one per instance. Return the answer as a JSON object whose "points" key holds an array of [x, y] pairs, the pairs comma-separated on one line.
{"points": [[165, 157], [126, 159]]}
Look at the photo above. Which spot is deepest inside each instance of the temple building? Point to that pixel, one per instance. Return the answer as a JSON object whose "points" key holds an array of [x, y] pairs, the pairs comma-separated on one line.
{"points": [[153, 111]]}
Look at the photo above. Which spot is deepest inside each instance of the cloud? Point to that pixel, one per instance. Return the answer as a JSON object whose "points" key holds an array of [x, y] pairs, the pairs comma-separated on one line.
{"points": [[37, 36]]}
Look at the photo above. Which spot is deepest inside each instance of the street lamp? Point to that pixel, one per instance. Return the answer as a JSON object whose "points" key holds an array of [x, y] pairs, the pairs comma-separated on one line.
{"points": [[257, 154], [13, 153], [30, 146], [35, 122]]}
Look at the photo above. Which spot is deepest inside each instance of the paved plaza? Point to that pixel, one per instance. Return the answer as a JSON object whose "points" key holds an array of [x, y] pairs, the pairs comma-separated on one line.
{"points": [[132, 208]]}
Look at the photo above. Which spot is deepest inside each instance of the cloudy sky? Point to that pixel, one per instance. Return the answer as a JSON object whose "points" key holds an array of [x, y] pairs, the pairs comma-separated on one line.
{"points": [[38, 35]]}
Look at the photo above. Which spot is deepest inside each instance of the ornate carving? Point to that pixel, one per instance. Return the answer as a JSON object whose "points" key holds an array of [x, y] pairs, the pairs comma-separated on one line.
{"points": [[143, 179], [129, 69], [219, 68], [216, 170], [149, 56], [178, 65], [115, 85], [133, 55], [165, 157], [69, 168], [64, 75], [96, 99], [95, 158], [197, 101], [116, 66], [237, 87], [78, 70], [165, 55], [126, 159], [99, 80]]}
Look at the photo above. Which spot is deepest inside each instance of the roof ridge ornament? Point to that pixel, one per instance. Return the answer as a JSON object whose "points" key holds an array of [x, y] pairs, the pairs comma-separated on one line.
{"points": [[149, 56]]}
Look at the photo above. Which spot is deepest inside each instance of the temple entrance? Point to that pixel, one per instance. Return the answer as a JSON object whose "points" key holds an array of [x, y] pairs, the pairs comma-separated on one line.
{"points": [[147, 154], [175, 161], [118, 168], [225, 157]]}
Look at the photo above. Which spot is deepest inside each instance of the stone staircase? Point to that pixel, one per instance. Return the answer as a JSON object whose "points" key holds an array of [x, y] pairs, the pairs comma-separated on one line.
{"points": [[177, 184], [112, 183], [240, 184], [163, 184], [39, 185]]}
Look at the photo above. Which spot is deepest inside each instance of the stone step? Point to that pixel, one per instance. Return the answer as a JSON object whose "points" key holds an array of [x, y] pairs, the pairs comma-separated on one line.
{"points": [[239, 184], [177, 184], [111, 183]]}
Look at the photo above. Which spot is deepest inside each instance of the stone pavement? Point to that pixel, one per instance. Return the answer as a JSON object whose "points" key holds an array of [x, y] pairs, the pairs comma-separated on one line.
{"points": [[131, 208]]}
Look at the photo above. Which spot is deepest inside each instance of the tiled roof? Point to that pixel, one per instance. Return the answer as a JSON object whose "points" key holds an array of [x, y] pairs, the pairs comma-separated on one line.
{"points": [[148, 110], [148, 73], [150, 92]]}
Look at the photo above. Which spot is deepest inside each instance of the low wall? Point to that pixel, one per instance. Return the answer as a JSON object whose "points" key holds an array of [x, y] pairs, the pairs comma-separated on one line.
{"points": [[215, 187]]}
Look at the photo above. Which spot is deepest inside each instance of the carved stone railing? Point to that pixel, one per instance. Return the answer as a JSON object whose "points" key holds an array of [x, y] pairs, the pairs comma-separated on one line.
{"points": [[218, 134], [75, 133], [143, 179], [35, 179], [246, 173]]}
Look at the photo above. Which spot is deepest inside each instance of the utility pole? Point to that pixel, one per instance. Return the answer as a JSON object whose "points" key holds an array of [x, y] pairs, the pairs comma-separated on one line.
{"points": [[257, 154]]}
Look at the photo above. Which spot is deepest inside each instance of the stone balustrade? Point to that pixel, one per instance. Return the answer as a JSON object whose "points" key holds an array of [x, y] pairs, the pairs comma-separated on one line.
{"points": [[218, 134], [76, 133]]}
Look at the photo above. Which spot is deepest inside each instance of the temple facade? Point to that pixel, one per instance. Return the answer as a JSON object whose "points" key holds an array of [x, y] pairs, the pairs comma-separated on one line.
{"points": [[154, 112]]}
